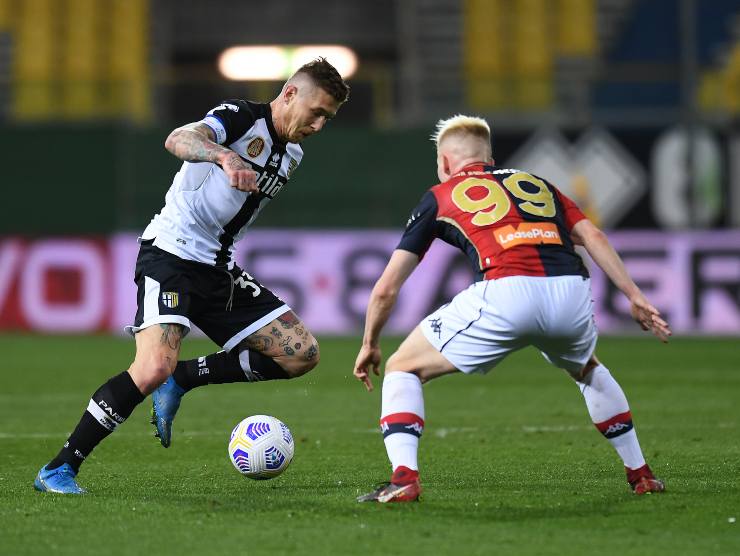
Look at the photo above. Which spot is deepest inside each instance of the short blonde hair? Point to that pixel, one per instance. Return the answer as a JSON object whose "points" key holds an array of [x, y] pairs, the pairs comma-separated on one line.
{"points": [[461, 124]]}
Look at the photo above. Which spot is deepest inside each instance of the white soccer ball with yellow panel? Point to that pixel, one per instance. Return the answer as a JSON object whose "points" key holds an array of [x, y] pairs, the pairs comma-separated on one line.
{"points": [[261, 447]]}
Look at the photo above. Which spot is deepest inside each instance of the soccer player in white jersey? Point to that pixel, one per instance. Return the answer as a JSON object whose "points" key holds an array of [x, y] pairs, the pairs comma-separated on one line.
{"points": [[236, 160], [519, 233]]}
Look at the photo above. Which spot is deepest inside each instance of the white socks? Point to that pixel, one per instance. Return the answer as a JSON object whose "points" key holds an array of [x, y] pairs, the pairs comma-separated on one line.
{"points": [[628, 449], [402, 418], [610, 412]]}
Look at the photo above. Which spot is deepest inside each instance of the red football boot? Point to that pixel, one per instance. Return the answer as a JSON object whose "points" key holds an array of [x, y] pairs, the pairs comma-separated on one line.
{"points": [[403, 487], [643, 481]]}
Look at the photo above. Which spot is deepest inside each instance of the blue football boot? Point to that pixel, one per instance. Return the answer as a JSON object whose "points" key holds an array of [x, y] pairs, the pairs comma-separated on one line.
{"points": [[165, 403], [60, 480]]}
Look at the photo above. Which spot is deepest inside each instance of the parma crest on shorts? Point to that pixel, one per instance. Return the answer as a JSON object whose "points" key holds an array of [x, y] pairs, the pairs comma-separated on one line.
{"points": [[170, 299]]}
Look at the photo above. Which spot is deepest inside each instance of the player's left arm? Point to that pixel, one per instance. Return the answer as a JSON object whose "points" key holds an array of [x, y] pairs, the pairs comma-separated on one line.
{"points": [[382, 300], [603, 253]]}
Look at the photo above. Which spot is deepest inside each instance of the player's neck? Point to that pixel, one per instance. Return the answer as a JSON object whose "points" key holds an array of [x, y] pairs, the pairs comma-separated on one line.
{"points": [[464, 163], [277, 117]]}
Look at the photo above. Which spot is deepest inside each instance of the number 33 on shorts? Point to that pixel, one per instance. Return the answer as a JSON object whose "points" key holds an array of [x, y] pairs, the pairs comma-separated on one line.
{"points": [[246, 281]]}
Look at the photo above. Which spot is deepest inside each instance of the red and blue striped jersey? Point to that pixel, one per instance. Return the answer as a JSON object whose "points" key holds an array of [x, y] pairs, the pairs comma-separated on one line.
{"points": [[508, 223]]}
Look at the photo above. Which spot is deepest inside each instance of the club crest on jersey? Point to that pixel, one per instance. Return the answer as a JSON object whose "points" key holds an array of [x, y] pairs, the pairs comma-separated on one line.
{"points": [[292, 166], [170, 299], [255, 147]]}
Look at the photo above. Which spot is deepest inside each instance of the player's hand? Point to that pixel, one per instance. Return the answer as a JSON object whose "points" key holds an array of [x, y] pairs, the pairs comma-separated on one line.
{"points": [[368, 360], [240, 173], [648, 317]]}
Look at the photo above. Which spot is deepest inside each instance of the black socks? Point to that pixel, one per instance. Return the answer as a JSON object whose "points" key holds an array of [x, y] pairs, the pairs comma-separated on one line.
{"points": [[109, 406], [223, 368]]}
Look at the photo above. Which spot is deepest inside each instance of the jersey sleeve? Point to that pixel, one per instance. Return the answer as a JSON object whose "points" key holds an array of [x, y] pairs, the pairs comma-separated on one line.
{"points": [[229, 120], [421, 226], [571, 213]]}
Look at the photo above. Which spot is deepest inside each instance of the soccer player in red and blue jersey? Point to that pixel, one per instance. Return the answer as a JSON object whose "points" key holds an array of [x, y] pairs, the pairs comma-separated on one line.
{"points": [[532, 289]]}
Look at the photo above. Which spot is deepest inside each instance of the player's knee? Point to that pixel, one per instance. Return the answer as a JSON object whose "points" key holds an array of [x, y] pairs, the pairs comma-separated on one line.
{"points": [[419, 374], [590, 365], [304, 360], [426, 365], [391, 364], [398, 362], [151, 371]]}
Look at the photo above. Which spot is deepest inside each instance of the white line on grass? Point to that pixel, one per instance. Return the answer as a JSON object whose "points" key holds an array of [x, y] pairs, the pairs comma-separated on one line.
{"points": [[438, 432]]}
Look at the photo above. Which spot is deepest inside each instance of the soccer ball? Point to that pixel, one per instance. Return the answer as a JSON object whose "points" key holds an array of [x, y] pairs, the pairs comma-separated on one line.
{"points": [[261, 447]]}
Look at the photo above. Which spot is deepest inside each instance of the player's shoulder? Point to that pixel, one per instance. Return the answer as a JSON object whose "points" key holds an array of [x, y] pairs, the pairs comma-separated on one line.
{"points": [[295, 151], [259, 109], [521, 174], [237, 106], [505, 172], [517, 177]]}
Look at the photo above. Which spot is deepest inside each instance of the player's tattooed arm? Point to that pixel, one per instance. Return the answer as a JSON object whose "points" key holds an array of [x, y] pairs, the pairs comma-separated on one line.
{"points": [[195, 142]]}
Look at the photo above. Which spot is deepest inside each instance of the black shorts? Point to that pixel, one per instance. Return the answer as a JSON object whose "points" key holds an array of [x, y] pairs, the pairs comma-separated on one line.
{"points": [[227, 305]]}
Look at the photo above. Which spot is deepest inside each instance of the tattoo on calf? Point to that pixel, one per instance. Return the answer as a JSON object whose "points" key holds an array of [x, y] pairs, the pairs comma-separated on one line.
{"points": [[311, 352], [275, 332], [259, 343], [288, 320], [285, 344]]}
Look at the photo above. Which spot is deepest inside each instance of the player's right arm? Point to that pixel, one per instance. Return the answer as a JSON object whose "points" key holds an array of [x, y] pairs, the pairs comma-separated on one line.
{"points": [[416, 239], [382, 300], [601, 251], [196, 142]]}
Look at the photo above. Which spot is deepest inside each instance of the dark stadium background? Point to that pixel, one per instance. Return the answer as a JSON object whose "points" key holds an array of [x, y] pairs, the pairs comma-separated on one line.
{"points": [[586, 92]]}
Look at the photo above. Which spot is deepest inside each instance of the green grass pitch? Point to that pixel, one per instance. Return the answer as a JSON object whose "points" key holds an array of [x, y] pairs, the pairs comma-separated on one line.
{"points": [[510, 461]]}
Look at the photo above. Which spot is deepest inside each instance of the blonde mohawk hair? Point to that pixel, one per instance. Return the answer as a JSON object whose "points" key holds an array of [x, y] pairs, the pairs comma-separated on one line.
{"points": [[471, 125]]}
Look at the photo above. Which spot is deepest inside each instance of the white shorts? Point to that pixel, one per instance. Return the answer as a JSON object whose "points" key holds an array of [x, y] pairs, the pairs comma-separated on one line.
{"points": [[491, 319]]}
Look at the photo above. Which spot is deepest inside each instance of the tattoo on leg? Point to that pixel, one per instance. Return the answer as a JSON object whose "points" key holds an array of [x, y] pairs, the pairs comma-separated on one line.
{"points": [[288, 320], [275, 332], [259, 343], [171, 335], [285, 344], [297, 345], [311, 352]]}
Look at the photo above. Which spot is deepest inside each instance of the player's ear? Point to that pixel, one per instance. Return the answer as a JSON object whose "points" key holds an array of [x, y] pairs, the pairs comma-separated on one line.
{"points": [[446, 166], [443, 166], [290, 92]]}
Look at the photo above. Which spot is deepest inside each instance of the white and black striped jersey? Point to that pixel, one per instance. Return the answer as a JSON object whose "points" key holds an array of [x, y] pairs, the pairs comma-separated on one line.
{"points": [[204, 216]]}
